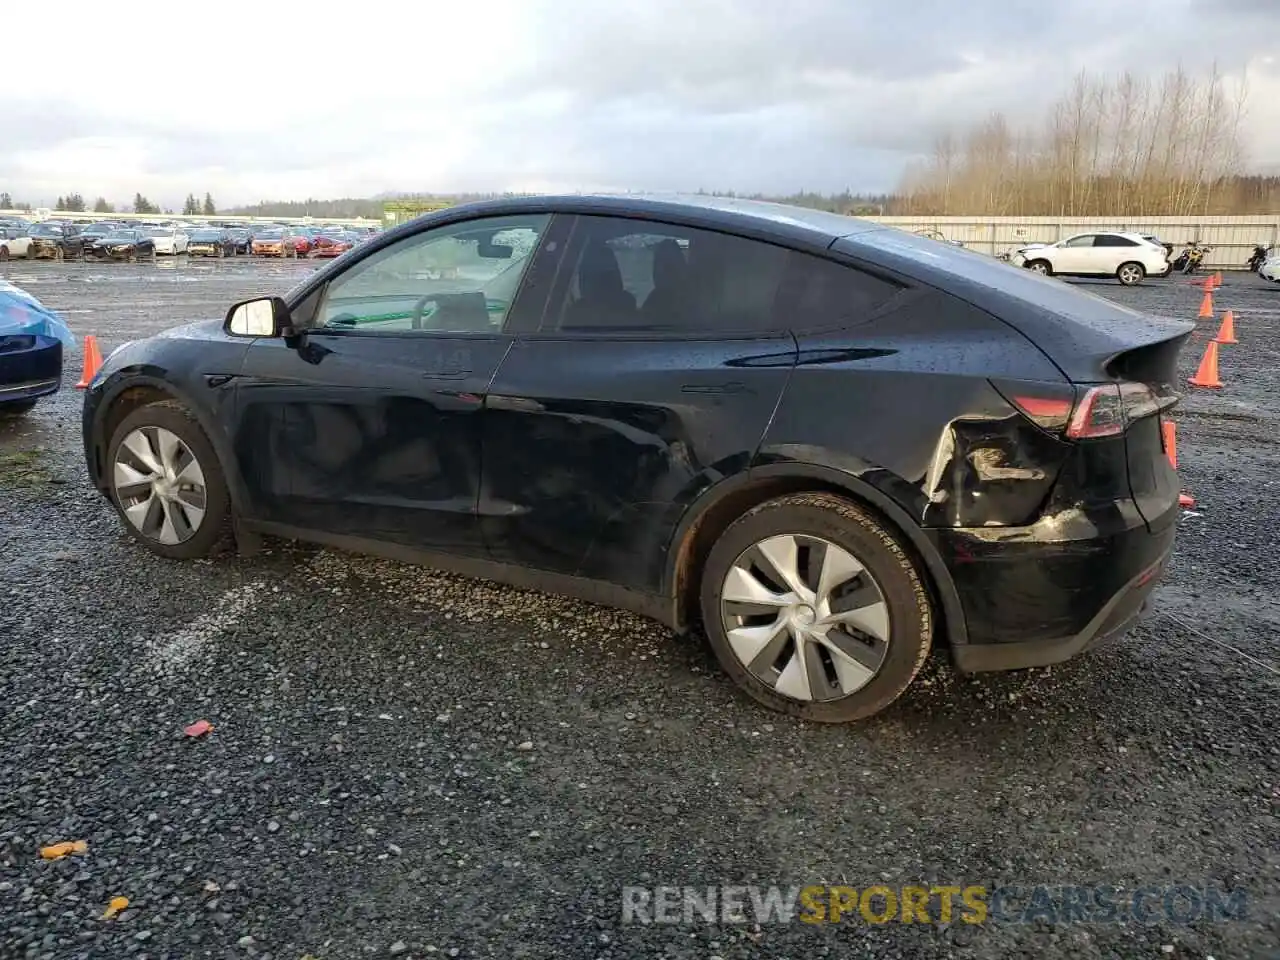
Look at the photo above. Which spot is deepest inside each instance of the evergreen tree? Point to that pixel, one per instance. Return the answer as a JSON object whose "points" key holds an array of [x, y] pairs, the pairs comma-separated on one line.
{"points": [[60, 205], [6, 201], [209, 208], [75, 203], [101, 206], [142, 205]]}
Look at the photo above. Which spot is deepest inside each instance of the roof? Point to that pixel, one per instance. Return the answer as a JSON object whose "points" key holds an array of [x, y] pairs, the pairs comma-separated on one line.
{"points": [[796, 224]]}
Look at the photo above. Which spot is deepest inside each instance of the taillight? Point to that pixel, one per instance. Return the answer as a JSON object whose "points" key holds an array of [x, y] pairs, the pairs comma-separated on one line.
{"points": [[1086, 412], [1100, 413]]}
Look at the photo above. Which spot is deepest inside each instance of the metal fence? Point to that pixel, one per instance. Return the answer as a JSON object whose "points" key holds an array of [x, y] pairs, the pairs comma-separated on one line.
{"points": [[1232, 239]]}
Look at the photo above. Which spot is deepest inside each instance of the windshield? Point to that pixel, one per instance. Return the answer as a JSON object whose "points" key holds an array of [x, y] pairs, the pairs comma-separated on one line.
{"points": [[122, 235], [46, 230], [270, 234], [206, 235], [159, 232]]}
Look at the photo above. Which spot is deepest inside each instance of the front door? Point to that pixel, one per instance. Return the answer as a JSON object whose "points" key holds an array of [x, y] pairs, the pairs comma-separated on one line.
{"points": [[367, 425], [653, 376], [1075, 255]]}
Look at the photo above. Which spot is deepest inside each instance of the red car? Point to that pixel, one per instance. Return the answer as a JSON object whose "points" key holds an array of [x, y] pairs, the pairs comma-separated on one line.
{"points": [[332, 245], [301, 244]]}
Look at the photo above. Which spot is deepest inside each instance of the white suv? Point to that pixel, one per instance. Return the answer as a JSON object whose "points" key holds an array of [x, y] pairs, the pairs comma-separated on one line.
{"points": [[1270, 269], [1128, 257]]}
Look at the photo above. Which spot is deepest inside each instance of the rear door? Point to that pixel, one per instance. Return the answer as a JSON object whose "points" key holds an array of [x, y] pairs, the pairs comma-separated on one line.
{"points": [[1110, 250], [654, 374]]}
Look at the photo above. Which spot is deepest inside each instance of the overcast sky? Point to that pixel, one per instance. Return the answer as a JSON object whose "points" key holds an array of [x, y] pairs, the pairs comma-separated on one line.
{"points": [[259, 100]]}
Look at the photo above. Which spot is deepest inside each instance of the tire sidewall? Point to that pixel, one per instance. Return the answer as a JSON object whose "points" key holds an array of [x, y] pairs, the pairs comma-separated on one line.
{"points": [[174, 418], [853, 528], [1142, 273]]}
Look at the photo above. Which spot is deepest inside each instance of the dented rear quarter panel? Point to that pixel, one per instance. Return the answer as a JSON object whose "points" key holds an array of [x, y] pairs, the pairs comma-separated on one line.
{"points": [[905, 404]]}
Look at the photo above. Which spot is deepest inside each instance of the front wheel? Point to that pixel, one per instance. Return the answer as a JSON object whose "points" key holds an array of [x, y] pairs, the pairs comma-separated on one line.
{"points": [[167, 483], [1131, 274], [1041, 267], [815, 609]]}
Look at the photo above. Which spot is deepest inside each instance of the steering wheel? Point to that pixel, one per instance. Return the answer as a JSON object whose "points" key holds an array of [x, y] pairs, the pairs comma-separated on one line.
{"points": [[419, 308]]}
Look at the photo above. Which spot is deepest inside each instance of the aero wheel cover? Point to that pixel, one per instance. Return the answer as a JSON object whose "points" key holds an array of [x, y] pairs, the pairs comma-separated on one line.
{"points": [[805, 617], [159, 485]]}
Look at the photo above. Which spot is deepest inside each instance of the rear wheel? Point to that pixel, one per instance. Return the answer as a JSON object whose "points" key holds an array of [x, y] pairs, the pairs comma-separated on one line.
{"points": [[1130, 273], [1041, 267], [815, 609], [4, 254], [167, 483]]}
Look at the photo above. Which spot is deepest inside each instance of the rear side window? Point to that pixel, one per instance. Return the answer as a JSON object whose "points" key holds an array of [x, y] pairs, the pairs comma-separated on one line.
{"points": [[818, 293], [639, 276], [1111, 240]]}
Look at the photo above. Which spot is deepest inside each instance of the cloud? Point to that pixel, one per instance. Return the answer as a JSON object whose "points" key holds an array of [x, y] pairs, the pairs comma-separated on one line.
{"points": [[264, 101]]}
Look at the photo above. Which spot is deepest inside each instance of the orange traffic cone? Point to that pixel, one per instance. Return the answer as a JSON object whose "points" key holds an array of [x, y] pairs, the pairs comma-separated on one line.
{"points": [[1217, 280], [1186, 500], [1207, 374], [92, 361], [1170, 431], [1206, 305], [1227, 332]]}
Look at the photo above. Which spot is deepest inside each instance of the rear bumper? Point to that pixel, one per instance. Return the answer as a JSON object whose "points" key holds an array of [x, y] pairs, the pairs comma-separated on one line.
{"points": [[29, 373], [1031, 602]]}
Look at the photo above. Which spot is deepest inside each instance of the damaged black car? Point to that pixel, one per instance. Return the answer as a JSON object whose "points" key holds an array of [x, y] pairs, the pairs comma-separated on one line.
{"points": [[55, 241]]}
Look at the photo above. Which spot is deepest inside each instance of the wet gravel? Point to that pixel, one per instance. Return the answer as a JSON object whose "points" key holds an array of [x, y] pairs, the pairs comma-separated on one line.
{"points": [[409, 764]]}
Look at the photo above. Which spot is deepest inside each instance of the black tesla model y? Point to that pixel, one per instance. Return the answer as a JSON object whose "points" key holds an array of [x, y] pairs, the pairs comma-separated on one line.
{"points": [[830, 443]]}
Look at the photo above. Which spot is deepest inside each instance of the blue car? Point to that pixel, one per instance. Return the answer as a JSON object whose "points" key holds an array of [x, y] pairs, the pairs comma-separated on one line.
{"points": [[32, 340]]}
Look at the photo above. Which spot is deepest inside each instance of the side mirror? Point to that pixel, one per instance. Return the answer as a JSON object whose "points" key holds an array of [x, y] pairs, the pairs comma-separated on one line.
{"points": [[261, 317]]}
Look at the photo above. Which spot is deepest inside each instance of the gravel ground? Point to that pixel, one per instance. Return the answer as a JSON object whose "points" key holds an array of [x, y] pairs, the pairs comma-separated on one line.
{"points": [[405, 763]]}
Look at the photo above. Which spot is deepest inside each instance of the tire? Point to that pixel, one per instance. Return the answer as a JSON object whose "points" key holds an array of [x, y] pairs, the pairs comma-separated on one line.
{"points": [[4, 254], [887, 571], [1131, 274], [59, 254], [16, 409], [1042, 267], [31, 252], [212, 533]]}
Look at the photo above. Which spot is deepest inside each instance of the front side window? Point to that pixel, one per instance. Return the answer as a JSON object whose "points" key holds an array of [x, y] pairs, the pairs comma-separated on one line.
{"points": [[1085, 241], [460, 278]]}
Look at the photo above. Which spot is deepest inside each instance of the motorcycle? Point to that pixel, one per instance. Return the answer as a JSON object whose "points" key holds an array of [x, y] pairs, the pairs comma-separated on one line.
{"points": [[1260, 254], [1189, 260]]}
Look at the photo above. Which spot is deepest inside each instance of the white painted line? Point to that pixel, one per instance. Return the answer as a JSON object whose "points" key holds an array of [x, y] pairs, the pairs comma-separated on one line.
{"points": [[174, 651]]}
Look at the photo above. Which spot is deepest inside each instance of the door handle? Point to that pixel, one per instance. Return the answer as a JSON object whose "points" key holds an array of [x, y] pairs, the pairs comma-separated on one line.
{"points": [[523, 404], [731, 387]]}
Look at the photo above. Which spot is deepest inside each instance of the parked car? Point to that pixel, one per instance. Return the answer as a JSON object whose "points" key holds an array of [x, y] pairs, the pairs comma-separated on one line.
{"points": [[53, 240], [211, 242], [1270, 269], [274, 243], [32, 339], [301, 242], [242, 237], [333, 244], [169, 241], [124, 243], [832, 443], [14, 242], [1126, 256]]}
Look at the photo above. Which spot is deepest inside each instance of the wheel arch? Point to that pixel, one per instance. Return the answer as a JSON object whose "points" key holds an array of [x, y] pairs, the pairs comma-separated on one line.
{"points": [[712, 513], [141, 390]]}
